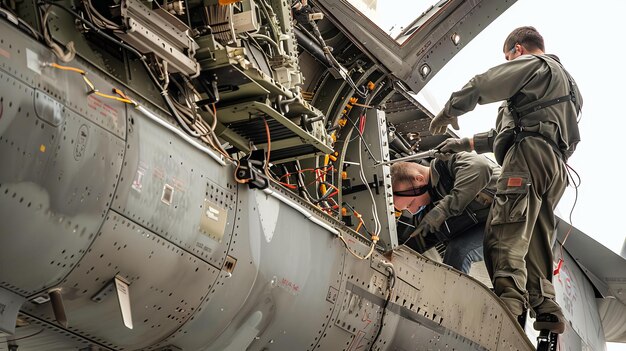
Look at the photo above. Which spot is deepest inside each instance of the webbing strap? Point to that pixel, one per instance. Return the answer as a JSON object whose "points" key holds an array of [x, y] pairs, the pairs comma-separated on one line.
{"points": [[521, 134], [570, 97], [542, 105]]}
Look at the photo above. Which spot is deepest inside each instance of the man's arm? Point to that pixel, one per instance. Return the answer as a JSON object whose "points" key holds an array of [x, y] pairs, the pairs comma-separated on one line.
{"points": [[497, 84], [471, 175]]}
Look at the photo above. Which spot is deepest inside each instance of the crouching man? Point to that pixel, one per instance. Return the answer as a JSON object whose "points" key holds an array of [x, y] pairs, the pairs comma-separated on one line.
{"points": [[449, 201]]}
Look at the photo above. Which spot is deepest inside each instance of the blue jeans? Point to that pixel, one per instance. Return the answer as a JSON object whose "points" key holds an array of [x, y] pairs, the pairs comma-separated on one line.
{"points": [[462, 250], [465, 248]]}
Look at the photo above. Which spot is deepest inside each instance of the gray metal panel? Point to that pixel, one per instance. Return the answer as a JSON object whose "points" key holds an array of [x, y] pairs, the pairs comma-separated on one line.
{"points": [[355, 319], [275, 298], [157, 162], [591, 270], [444, 294], [375, 135], [167, 285], [35, 334], [575, 294], [409, 334], [24, 58], [10, 304], [430, 44], [429, 297], [55, 188]]}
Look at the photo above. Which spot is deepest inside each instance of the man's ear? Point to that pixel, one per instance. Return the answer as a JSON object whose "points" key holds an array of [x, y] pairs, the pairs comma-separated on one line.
{"points": [[418, 178]]}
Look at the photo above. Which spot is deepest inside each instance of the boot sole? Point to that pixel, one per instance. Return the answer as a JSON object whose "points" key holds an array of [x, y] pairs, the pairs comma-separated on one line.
{"points": [[557, 328]]}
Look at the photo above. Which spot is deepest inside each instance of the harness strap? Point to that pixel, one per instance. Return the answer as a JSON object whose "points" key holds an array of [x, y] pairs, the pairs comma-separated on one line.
{"points": [[521, 134], [542, 105]]}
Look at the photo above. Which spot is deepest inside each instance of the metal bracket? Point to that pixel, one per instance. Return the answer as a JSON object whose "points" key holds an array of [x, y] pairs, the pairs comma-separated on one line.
{"points": [[10, 304]]}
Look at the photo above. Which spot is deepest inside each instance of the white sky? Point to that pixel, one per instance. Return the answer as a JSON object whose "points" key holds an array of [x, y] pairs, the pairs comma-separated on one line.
{"points": [[587, 38]]}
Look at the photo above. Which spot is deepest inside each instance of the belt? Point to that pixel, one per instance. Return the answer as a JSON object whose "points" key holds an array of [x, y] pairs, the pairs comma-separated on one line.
{"points": [[522, 134]]}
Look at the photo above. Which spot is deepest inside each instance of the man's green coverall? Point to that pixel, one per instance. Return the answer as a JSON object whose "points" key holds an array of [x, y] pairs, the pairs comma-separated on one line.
{"points": [[536, 131]]}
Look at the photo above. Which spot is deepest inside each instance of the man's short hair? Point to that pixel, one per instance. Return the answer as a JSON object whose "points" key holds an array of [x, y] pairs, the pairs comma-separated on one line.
{"points": [[402, 172], [527, 36]]}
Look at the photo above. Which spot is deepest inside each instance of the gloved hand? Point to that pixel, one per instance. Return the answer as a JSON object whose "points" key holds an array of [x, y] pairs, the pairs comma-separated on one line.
{"points": [[430, 223], [439, 124], [453, 145]]}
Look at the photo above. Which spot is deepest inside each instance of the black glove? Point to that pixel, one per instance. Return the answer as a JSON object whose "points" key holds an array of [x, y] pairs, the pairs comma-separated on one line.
{"points": [[430, 223], [453, 145], [439, 124]]}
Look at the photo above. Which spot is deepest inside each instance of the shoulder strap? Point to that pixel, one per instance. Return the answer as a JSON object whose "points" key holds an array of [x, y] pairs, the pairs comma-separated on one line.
{"points": [[569, 97]]}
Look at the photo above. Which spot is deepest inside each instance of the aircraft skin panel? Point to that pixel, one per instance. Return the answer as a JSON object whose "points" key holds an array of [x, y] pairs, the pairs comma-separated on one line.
{"points": [[175, 191], [605, 271], [613, 314], [431, 44], [45, 336], [576, 296], [443, 295], [59, 176], [579, 304], [21, 57], [159, 304], [281, 303], [355, 319]]}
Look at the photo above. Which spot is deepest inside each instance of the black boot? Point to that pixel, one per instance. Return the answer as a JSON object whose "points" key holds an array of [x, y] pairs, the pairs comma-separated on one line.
{"points": [[554, 322]]}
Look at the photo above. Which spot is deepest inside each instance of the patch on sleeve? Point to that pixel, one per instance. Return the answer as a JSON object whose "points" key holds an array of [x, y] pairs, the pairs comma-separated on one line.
{"points": [[514, 182]]}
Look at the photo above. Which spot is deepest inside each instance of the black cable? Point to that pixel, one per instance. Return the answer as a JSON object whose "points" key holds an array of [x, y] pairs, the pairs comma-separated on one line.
{"points": [[26, 337], [325, 196], [392, 283], [333, 61]]}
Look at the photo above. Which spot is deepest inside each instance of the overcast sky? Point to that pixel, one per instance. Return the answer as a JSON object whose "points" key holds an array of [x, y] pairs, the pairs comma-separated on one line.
{"points": [[587, 37]]}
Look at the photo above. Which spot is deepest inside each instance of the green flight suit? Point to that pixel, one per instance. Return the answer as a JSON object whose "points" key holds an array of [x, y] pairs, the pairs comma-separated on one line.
{"points": [[521, 227]]}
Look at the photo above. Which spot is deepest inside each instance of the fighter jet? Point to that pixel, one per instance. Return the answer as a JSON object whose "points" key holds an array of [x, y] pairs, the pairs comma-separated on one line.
{"points": [[208, 175]]}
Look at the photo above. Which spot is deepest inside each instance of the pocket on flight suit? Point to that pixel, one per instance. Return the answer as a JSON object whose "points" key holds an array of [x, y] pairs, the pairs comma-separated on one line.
{"points": [[511, 201]]}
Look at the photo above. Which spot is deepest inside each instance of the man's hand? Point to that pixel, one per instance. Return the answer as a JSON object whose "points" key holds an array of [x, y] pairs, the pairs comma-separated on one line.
{"points": [[439, 124], [430, 223], [452, 145]]}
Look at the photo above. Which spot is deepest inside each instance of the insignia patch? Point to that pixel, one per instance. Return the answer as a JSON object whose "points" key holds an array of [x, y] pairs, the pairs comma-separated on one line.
{"points": [[514, 181]]}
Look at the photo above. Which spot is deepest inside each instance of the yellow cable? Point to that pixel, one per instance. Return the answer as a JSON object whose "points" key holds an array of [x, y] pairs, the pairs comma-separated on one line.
{"points": [[91, 86], [323, 188], [355, 254], [67, 68], [112, 97], [89, 83]]}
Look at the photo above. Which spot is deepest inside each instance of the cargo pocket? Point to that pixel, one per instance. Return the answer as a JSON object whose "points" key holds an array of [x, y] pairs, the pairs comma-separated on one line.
{"points": [[511, 201]]}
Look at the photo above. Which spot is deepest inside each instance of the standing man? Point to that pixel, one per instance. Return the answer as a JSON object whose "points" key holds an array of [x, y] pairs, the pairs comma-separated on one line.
{"points": [[536, 132], [455, 195]]}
